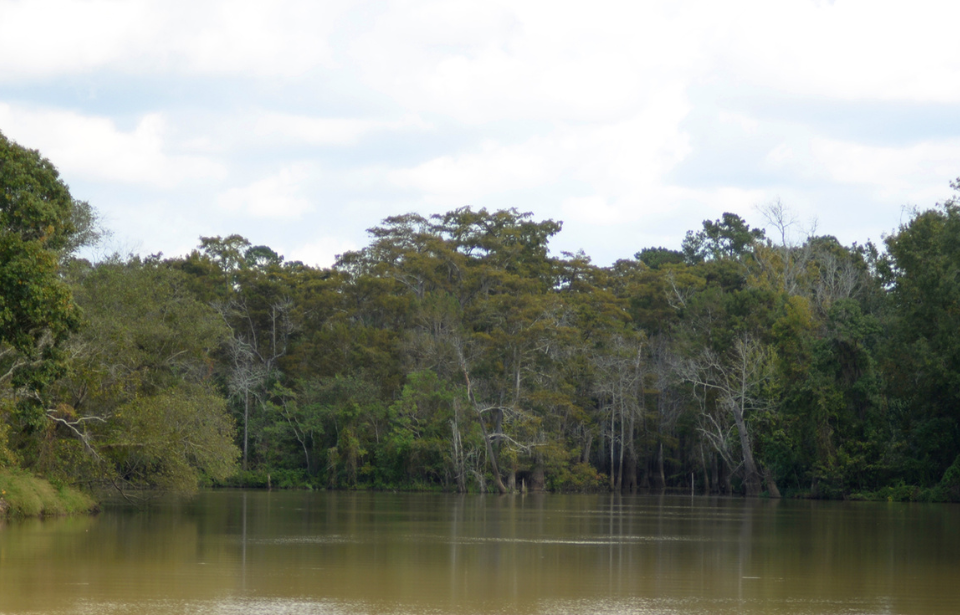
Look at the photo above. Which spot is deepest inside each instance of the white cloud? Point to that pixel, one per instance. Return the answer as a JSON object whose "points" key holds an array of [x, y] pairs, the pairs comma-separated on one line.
{"points": [[90, 147], [277, 196], [591, 210], [324, 131], [323, 252], [623, 163], [855, 49], [44, 38], [584, 111], [917, 172], [548, 61], [285, 38], [479, 60], [890, 169], [534, 60], [494, 168]]}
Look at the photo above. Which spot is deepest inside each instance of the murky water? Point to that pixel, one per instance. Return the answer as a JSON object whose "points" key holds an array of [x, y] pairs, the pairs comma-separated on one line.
{"points": [[340, 553]]}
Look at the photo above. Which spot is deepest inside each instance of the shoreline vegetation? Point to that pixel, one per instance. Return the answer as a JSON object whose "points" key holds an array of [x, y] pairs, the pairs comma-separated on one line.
{"points": [[946, 491], [25, 495], [456, 352]]}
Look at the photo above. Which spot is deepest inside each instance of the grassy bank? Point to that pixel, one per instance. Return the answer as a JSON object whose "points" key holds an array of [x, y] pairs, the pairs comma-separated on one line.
{"points": [[25, 495]]}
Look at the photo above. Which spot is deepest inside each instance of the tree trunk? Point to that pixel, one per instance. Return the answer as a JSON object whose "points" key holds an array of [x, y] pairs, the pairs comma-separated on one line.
{"points": [[663, 479], [537, 479], [492, 457], [727, 474], [706, 472], [491, 454], [751, 477], [715, 470], [332, 459], [246, 422], [629, 482], [771, 484], [623, 445], [613, 438], [458, 465]]}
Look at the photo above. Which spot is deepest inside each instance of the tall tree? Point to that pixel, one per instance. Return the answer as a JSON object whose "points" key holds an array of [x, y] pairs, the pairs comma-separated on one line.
{"points": [[924, 272], [139, 396], [37, 312], [729, 237]]}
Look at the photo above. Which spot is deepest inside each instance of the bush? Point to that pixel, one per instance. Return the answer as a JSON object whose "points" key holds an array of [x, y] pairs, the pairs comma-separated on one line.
{"points": [[25, 495], [577, 477], [948, 490], [269, 479]]}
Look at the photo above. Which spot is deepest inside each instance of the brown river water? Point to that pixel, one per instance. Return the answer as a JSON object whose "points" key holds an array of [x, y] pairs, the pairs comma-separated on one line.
{"points": [[226, 552]]}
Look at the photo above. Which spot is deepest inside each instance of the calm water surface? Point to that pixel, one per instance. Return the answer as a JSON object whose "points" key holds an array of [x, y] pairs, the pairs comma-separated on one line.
{"points": [[346, 553]]}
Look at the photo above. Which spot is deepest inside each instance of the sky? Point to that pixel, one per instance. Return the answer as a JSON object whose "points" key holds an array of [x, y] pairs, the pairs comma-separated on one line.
{"points": [[300, 124]]}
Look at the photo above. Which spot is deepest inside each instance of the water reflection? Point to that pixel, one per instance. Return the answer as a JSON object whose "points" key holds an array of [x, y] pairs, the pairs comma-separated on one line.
{"points": [[226, 552]]}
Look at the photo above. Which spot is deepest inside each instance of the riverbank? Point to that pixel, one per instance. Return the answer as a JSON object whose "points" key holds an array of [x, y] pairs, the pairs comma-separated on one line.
{"points": [[25, 495]]}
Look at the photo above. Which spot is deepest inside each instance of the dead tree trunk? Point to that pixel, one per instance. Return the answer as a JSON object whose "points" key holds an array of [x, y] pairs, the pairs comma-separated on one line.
{"points": [[663, 479], [491, 453], [736, 380]]}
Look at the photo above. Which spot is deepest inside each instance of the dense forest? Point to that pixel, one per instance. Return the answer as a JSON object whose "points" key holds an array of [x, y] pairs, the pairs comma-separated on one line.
{"points": [[457, 352]]}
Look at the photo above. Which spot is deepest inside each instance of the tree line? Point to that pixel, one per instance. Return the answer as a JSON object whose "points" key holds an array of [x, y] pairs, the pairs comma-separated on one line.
{"points": [[457, 352]]}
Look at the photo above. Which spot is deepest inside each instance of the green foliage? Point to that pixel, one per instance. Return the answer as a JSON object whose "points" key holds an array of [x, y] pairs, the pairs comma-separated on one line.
{"points": [[923, 263], [948, 489], [417, 446], [291, 427], [655, 258], [729, 237], [578, 477], [7, 457], [172, 439], [25, 495], [37, 313], [456, 352], [270, 478], [138, 407]]}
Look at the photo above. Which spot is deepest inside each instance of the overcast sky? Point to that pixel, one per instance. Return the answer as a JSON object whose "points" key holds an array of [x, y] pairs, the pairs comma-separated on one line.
{"points": [[301, 124]]}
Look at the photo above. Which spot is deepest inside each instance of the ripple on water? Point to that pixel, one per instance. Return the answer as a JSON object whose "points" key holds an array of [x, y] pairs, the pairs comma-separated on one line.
{"points": [[303, 540], [603, 541], [635, 606]]}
